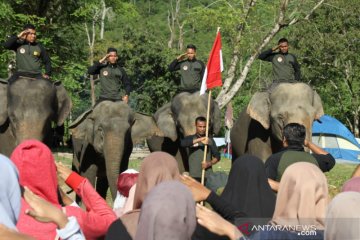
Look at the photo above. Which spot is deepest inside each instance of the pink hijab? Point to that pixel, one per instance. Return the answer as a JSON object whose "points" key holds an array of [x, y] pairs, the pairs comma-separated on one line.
{"points": [[302, 198], [155, 168], [352, 185]]}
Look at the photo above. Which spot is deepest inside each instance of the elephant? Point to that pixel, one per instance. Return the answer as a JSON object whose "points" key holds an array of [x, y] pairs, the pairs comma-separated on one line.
{"points": [[103, 139], [28, 108], [258, 130], [176, 120]]}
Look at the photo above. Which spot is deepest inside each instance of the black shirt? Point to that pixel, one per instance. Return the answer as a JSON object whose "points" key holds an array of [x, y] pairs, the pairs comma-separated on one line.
{"points": [[196, 154], [325, 162]]}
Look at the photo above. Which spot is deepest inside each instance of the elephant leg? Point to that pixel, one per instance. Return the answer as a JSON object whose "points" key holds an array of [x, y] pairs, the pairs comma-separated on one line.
{"points": [[156, 143], [102, 186], [183, 160], [90, 174], [89, 164]]}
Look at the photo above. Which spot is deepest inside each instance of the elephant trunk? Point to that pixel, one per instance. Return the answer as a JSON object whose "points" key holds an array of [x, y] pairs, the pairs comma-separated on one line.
{"points": [[113, 154], [32, 130]]}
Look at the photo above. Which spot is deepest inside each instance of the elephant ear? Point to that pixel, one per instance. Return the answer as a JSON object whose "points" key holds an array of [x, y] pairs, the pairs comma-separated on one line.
{"points": [[143, 127], [4, 101], [319, 110], [82, 127], [63, 103], [165, 122], [259, 108]]}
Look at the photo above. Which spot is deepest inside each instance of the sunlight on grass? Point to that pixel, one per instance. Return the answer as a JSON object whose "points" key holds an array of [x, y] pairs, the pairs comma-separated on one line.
{"points": [[336, 177]]}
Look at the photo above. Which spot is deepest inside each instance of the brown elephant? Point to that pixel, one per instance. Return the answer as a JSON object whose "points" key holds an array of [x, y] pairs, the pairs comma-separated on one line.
{"points": [[28, 106], [103, 140], [258, 130], [176, 120]]}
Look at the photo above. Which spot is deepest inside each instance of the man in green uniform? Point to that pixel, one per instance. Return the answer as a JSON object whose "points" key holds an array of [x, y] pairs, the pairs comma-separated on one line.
{"points": [[196, 144], [114, 82], [285, 65], [293, 151], [30, 55], [191, 70]]}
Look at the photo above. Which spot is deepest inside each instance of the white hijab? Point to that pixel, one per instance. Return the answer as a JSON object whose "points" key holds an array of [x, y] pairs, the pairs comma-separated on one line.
{"points": [[10, 195], [343, 217]]}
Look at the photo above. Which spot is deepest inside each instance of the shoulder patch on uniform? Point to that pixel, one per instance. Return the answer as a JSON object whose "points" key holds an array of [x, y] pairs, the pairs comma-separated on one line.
{"points": [[279, 59], [22, 50], [185, 68], [105, 73]]}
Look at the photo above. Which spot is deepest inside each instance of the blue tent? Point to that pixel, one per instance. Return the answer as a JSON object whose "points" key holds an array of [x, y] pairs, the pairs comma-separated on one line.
{"points": [[334, 137]]}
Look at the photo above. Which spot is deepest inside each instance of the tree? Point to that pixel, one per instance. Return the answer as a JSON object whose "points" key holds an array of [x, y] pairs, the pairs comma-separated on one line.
{"points": [[232, 86], [329, 47]]}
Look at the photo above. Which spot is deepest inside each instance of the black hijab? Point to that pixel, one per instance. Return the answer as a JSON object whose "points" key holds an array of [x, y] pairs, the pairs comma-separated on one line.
{"points": [[248, 190], [117, 230]]}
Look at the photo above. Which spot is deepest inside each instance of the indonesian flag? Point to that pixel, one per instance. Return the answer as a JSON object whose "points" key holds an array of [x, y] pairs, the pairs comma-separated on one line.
{"points": [[212, 75]]}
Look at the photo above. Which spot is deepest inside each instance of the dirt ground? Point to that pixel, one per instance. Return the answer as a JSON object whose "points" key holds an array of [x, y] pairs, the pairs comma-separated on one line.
{"points": [[137, 154]]}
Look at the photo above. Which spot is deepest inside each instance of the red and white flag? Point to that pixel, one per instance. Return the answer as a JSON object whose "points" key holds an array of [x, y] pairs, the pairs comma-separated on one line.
{"points": [[212, 75]]}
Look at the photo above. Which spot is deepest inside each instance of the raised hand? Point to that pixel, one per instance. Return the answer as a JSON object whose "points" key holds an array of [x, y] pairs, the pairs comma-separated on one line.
{"points": [[104, 58], [43, 211], [215, 223], [199, 192], [182, 57], [23, 34], [63, 171], [125, 99]]}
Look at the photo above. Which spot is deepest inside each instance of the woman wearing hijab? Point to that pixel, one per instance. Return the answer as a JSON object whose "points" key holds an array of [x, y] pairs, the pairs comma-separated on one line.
{"points": [[124, 200], [10, 196], [300, 207], [168, 212], [247, 194], [352, 185], [37, 171], [342, 217], [10, 205], [155, 168]]}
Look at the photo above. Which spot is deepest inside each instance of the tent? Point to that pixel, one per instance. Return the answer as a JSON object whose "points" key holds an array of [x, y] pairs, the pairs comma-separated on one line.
{"points": [[335, 138]]}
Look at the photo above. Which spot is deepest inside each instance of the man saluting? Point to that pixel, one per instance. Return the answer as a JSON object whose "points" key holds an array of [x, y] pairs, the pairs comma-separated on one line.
{"points": [[191, 70], [285, 65], [114, 82], [30, 55]]}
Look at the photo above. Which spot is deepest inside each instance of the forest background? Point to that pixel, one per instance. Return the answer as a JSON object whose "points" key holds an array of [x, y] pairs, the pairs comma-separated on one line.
{"points": [[149, 34]]}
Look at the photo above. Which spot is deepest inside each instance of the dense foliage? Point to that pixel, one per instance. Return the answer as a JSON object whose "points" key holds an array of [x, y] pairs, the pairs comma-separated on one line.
{"points": [[326, 44]]}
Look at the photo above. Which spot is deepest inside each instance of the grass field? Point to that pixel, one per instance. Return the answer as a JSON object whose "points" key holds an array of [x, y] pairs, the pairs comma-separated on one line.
{"points": [[336, 177]]}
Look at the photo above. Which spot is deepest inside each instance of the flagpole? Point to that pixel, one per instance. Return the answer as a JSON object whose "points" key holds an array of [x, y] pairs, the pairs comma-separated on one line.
{"points": [[207, 132], [206, 135]]}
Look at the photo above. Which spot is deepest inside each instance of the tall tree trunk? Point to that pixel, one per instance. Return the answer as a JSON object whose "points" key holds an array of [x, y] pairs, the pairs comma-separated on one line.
{"points": [[91, 41], [357, 122], [171, 25], [225, 97], [104, 11], [236, 51], [231, 87]]}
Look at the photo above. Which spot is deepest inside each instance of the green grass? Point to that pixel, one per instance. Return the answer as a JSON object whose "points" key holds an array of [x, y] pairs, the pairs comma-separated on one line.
{"points": [[337, 176]]}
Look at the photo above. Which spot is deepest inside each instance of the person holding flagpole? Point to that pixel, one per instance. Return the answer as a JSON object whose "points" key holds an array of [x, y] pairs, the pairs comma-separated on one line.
{"points": [[191, 70], [196, 144]]}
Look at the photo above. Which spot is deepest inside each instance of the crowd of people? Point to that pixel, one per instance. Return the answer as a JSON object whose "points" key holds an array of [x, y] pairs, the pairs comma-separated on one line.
{"points": [[159, 202]]}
